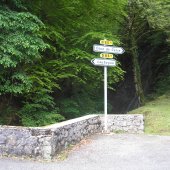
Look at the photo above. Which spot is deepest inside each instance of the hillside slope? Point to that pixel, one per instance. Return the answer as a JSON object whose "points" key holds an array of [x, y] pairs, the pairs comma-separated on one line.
{"points": [[157, 115]]}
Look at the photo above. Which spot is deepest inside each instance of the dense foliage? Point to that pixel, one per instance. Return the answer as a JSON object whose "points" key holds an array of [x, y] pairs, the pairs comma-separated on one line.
{"points": [[23, 100], [46, 47], [146, 36]]}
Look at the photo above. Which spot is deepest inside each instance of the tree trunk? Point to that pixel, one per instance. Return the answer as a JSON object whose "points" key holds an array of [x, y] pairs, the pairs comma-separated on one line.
{"points": [[137, 71]]}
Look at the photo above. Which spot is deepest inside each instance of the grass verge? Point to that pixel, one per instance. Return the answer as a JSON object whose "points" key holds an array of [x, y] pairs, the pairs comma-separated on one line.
{"points": [[157, 115]]}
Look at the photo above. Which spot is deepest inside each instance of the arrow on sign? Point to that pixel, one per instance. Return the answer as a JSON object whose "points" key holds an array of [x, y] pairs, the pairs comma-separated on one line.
{"points": [[108, 49], [103, 62]]}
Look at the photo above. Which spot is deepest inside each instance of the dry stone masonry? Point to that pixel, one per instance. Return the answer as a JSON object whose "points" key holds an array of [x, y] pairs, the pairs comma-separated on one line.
{"points": [[125, 123], [45, 142]]}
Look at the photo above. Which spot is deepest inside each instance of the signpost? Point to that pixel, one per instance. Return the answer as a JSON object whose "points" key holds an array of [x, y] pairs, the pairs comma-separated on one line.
{"points": [[105, 61]]}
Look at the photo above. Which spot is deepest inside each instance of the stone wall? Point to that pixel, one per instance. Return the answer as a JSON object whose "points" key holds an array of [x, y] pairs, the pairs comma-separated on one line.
{"points": [[131, 123], [45, 142]]}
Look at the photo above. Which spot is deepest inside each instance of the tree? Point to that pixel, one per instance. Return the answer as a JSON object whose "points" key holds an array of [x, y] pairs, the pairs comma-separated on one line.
{"points": [[20, 48], [158, 18], [145, 30], [136, 26], [71, 37], [46, 52], [158, 15]]}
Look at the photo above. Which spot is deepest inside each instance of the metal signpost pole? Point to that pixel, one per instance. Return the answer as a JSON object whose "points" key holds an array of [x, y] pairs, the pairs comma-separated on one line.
{"points": [[105, 98], [107, 62]]}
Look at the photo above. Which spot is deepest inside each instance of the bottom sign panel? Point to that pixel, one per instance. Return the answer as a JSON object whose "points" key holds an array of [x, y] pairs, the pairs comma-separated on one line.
{"points": [[104, 62]]}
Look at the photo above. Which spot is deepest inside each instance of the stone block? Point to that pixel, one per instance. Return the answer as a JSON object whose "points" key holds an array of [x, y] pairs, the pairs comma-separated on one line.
{"points": [[47, 152], [2, 140]]}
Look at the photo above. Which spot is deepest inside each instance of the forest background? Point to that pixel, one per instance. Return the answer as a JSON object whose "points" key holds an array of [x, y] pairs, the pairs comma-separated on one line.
{"points": [[45, 50]]}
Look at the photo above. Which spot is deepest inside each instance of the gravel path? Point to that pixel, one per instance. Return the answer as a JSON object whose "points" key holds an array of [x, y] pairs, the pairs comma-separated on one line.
{"points": [[107, 152]]}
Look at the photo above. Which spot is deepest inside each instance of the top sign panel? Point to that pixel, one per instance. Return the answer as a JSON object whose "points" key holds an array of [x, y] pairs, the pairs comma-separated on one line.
{"points": [[108, 49], [106, 42]]}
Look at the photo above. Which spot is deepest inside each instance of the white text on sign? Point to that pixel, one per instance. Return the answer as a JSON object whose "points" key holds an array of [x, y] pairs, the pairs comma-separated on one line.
{"points": [[104, 62], [108, 49]]}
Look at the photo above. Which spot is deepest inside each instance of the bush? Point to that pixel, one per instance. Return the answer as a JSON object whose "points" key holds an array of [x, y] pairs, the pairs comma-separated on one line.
{"points": [[40, 118], [81, 104], [40, 111]]}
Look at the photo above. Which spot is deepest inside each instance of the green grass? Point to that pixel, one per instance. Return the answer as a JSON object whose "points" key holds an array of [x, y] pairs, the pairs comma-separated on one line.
{"points": [[157, 115]]}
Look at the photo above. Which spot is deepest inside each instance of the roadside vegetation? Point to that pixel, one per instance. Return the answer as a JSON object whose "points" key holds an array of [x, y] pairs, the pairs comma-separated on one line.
{"points": [[157, 115], [157, 110], [45, 51]]}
